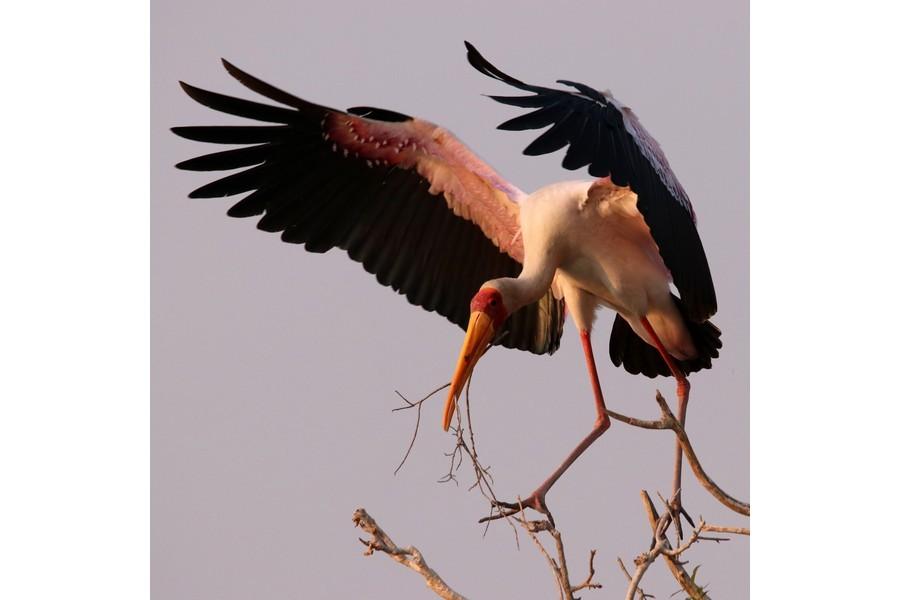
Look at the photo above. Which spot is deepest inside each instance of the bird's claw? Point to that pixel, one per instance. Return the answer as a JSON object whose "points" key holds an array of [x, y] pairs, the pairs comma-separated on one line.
{"points": [[535, 502], [677, 511]]}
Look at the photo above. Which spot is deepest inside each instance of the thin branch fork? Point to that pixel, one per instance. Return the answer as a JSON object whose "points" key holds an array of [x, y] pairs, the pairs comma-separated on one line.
{"points": [[697, 536], [643, 561], [661, 547], [559, 566], [483, 478], [642, 595], [668, 421], [418, 406], [408, 557], [560, 573], [587, 583], [659, 525]]}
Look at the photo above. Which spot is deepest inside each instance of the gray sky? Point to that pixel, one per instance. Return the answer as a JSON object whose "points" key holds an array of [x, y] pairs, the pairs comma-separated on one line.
{"points": [[274, 369]]}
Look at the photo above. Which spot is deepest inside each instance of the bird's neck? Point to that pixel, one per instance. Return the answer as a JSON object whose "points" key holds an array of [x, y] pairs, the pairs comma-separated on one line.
{"points": [[531, 284]]}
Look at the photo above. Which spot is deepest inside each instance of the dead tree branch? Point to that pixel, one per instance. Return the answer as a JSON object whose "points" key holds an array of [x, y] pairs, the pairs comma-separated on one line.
{"points": [[483, 481], [668, 421], [562, 579], [628, 576], [720, 529], [558, 565], [643, 561], [408, 557], [483, 478], [587, 584], [684, 579]]}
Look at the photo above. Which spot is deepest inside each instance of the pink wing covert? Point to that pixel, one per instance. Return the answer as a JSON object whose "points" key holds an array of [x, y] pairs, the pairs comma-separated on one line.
{"points": [[472, 189]]}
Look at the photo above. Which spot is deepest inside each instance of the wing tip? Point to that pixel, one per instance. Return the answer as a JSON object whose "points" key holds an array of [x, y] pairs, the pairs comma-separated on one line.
{"points": [[195, 93], [476, 59], [233, 70], [239, 74], [482, 65], [472, 51], [180, 131]]}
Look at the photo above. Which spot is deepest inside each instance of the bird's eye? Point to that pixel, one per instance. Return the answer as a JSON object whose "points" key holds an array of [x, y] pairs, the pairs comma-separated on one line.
{"points": [[493, 302]]}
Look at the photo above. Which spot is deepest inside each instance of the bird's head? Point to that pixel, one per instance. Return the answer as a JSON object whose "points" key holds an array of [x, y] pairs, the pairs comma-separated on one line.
{"points": [[489, 312]]}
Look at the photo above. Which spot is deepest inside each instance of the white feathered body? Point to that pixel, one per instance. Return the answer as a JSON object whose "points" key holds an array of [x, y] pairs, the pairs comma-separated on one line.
{"points": [[604, 255]]}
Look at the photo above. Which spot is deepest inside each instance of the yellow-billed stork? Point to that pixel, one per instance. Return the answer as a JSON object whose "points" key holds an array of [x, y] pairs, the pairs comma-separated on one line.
{"points": [[429, 218]]}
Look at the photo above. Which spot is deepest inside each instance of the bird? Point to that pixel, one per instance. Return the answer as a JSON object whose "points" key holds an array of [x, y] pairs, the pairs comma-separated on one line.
{"points": [[424, 214]]}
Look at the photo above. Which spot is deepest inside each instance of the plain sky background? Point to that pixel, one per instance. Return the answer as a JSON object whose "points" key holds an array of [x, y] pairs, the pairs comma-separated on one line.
{"points": [[273, 369]]}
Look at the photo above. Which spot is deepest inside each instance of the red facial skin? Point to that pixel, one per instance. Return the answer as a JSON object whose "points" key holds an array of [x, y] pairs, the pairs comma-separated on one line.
{"points": [[490, 302]]}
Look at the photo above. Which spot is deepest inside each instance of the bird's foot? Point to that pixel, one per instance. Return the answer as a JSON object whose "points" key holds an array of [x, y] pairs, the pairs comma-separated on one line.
{"points": [[536, 501], [676, 511]]}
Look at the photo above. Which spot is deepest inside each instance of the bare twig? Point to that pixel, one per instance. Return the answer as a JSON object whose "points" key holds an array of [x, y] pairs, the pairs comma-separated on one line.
{"points": [[418, 406], [558, 565], [643, 561], [563, 565], [704, 479], [483, 478], [668, 421], [408, 557], [483, 481], [587, 584], [693, 539], [638, 590], [532, 527], [684, 579], [720, 529]]}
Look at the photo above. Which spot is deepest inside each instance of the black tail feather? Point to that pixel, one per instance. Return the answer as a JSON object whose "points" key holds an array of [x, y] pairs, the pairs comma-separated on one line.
{"points": [[628, 350]]}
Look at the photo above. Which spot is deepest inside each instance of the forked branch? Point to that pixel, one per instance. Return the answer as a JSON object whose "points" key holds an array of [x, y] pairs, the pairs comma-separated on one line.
{"points": [[668, 421], [558, 565], [408, 557], [662, 547], [413, 559]]}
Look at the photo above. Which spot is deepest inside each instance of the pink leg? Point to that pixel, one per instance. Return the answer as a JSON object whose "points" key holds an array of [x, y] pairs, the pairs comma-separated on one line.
{"points": [[536, 500], [683, 389]]}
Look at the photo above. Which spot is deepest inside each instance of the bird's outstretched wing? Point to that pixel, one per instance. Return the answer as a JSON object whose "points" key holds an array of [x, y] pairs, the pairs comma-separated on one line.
{"points": [[402, 196], [607, 137]]}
